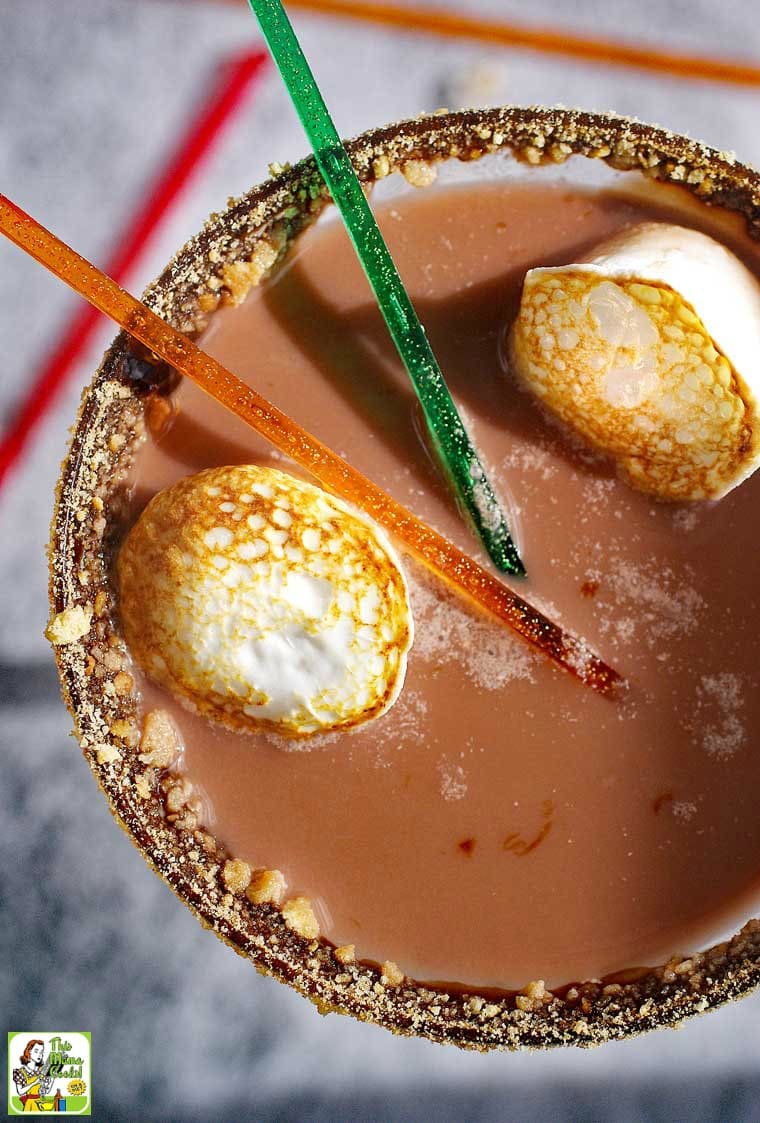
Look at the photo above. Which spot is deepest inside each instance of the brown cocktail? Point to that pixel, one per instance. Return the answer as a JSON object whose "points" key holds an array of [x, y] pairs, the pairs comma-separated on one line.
{"points": [[462, 865]]}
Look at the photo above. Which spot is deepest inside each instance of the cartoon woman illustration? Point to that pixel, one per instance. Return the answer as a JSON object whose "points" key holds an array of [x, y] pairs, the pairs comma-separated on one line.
{"points": [[32, 1080]]}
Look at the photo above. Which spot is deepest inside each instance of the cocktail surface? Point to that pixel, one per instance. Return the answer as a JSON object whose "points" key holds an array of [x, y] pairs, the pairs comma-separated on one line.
{"points": [[500, 823]]}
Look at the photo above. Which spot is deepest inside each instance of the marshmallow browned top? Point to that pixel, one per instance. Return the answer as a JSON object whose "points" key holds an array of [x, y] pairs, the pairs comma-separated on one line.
{"points": [[264, 601], [650, 349]]}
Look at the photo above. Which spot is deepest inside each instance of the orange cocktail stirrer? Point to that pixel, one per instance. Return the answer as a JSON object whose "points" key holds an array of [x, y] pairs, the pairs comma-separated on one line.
{"points": [[435, 551], [453, 24], [554, 41]]}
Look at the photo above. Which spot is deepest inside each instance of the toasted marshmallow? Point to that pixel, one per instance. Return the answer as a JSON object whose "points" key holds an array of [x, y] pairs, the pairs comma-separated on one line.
{"points": [[650, 349], [265, 602]]}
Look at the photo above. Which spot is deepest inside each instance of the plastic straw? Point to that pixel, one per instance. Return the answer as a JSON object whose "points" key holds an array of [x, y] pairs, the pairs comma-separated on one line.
{"points": [[456, 453]]}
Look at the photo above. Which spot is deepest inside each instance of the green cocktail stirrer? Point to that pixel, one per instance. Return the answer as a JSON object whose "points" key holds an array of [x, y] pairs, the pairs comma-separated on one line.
{"points": [[449, 436]]}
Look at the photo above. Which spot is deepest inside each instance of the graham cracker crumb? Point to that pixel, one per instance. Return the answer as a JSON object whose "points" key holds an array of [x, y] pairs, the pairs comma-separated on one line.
{"points": [[123, 683], [112, 660], [535, 990], [345, 954], [419, 173], [241, 276], [160, 743], [381, 167], [208, 301], [266, 888], [299, 917], [236, 875], [178, 792], [187, 821], [121, 728], [560, 152], [101, 603], [144, 783], [69, 625], [392, 974], [107, 754]]}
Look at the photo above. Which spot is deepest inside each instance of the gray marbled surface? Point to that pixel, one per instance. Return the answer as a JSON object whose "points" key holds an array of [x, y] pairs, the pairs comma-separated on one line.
{"points": [[92, 93]]}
